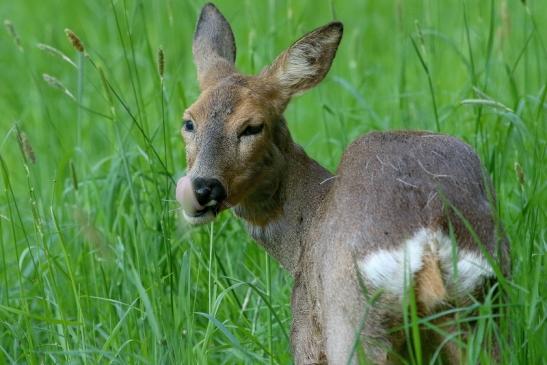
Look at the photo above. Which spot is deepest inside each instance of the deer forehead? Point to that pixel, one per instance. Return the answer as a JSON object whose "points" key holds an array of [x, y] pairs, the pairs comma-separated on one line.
{"points": [[230, 103]]}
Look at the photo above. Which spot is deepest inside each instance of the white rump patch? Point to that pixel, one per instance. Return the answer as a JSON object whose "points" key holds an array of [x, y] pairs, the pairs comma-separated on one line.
{"points": [[392, 270], [462, 270]]}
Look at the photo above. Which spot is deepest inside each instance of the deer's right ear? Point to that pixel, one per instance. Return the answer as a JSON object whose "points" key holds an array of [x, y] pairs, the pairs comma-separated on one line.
{"points": [[214, 47], [305, 63]]}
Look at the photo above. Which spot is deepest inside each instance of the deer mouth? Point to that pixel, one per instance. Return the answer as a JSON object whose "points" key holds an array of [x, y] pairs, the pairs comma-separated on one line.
{"points": [[192, 210], [210, 208]]}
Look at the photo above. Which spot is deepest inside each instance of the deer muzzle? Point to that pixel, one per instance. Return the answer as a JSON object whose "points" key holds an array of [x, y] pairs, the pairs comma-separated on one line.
{"points": [[187, 198], [201, 199]]}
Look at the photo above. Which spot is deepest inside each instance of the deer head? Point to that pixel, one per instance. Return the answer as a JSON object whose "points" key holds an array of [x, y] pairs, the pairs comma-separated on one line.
{"points": [[235, 134]]}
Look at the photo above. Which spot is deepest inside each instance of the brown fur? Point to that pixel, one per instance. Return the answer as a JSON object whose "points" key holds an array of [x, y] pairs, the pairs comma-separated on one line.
{"points": [[429, 285], [317, 225]]}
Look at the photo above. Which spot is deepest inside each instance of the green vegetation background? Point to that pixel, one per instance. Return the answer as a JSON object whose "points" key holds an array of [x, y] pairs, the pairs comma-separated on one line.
{"points": [[95, 264]]}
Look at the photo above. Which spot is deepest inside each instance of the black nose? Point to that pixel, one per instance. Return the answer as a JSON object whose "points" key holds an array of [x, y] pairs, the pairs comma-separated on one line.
{"points": [[207, 190]]}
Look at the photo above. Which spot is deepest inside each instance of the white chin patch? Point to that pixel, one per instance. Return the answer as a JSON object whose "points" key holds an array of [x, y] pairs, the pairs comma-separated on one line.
{"points": [[202, 219]]}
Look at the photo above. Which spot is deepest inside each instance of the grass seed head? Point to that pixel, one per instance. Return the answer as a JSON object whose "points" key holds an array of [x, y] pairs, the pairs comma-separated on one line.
{"points": [[27, 148], [13, 33], [56, 84], [24, 144], [73, 175], [55, 52], [75, 40], [161, 62], [520, 174]]}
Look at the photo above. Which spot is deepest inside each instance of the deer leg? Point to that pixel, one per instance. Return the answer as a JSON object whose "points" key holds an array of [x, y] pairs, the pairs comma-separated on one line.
{"points": [[351, 324], [345, 337], [439, 342], [306, 339]]}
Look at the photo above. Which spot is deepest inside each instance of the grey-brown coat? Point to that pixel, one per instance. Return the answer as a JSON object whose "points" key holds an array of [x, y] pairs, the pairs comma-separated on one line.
{"points": [[396, 215]]}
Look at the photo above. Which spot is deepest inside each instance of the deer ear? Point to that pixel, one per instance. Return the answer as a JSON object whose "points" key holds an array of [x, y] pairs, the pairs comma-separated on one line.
{"points": [[213, 47], [305, 63]]}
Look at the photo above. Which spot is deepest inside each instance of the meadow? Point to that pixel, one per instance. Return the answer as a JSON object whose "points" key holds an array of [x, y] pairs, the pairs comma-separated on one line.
{"points": [[96, 265]]}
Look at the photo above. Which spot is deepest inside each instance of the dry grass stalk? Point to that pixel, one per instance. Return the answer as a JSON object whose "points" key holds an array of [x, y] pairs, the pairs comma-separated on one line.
{"points": [[504, 29]]}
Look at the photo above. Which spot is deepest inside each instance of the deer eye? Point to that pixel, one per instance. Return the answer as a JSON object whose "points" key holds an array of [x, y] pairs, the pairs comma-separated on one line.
{"points": [[188, 125], [252, 130]]}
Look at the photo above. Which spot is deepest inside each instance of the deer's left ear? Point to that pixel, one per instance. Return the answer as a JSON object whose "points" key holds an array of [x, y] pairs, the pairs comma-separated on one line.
{"points": [[214, 46], [305, 63]]}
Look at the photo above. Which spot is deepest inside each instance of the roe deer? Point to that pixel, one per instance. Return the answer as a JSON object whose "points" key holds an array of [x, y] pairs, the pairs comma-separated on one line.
{"points": [[388, 217]]}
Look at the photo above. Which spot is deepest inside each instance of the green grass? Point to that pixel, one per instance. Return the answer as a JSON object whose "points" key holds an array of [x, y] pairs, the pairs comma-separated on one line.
{"points": [[95, 263]]}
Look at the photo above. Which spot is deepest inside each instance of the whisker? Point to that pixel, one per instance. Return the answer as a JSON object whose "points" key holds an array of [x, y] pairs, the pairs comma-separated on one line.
{"points": [[328, 179]]}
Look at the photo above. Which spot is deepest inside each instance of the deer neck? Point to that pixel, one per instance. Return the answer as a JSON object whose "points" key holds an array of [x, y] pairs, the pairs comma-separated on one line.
{"points": [[279, 213]]}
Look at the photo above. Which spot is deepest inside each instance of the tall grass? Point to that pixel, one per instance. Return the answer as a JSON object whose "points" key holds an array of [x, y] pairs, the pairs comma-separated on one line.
{"points": [[95, 263]]}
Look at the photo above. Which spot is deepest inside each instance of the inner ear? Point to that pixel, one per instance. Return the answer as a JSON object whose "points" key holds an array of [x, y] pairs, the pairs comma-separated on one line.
{"points": [[305, 63], [214, 47]]}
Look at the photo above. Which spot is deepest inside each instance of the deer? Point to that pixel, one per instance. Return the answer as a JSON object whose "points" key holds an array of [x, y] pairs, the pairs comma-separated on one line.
{"points": [[405, 210]]}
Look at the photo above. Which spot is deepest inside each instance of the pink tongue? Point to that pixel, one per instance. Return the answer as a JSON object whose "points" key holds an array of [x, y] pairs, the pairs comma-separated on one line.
{"points": [[186, 196]]}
